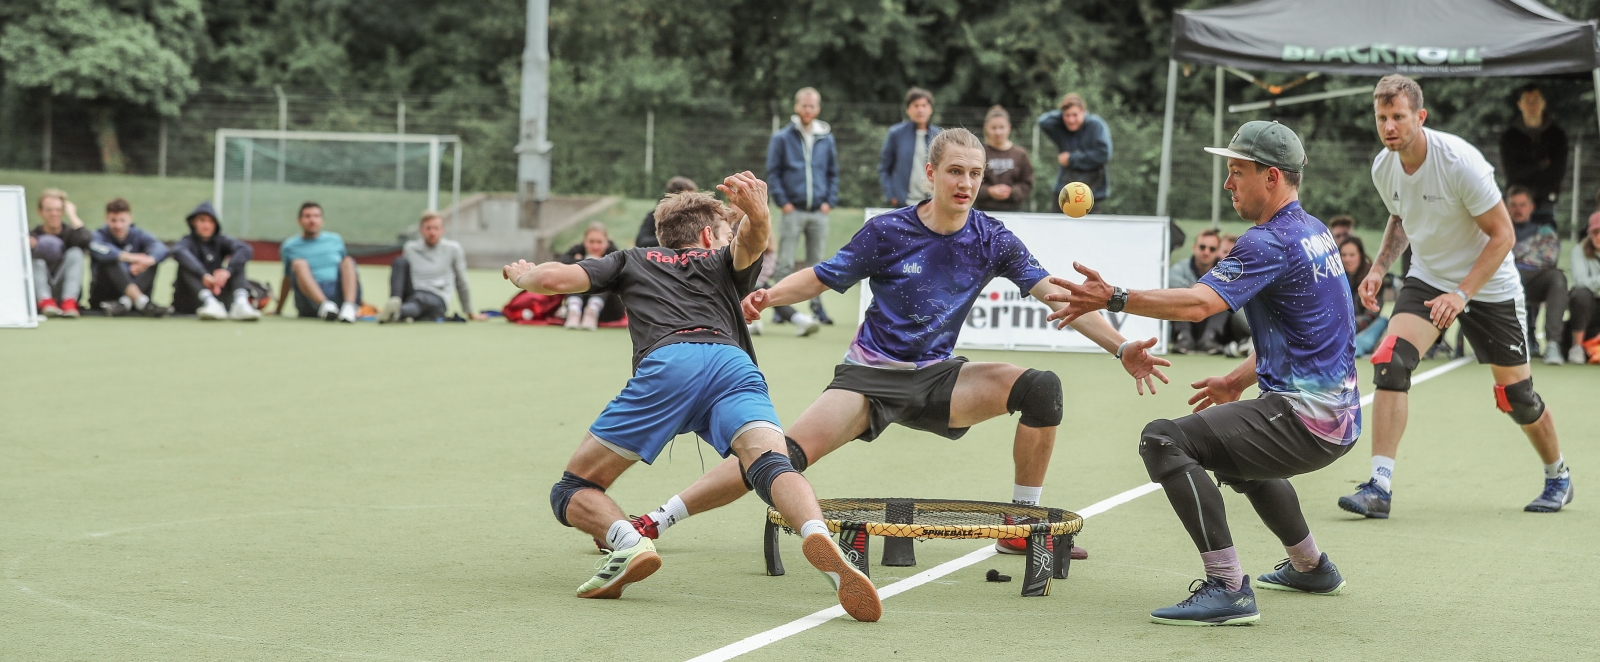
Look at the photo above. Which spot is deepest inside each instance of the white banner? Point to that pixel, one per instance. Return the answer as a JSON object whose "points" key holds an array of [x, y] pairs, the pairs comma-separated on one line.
{"points": [[16, 261], [1128, 251]]}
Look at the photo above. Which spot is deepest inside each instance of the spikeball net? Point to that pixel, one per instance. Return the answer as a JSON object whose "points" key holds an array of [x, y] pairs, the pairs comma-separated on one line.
{"points": [[1048, 531]]}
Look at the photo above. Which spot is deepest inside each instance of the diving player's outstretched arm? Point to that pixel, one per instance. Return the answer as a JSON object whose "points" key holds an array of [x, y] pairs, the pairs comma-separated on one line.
{"points": [[749, 194], [547, 278], [1135, 355]]}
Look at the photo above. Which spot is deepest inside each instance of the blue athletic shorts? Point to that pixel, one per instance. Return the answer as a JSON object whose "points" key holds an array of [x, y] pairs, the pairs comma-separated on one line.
{"points": [[709, 389]]}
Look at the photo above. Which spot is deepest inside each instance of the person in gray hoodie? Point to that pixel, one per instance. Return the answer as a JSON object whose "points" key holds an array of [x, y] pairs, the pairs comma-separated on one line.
{"points": [[803, 171], [421, 280], [211, 265]]}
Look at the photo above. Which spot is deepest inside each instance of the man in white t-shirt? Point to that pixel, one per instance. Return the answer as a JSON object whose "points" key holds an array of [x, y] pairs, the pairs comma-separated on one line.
{"points": [[1444, 203]]}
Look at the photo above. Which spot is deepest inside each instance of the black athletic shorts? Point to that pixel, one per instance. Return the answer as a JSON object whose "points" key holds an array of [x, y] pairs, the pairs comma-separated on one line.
{"points": [[918, 399], [1251, 440], [1495, 328]]}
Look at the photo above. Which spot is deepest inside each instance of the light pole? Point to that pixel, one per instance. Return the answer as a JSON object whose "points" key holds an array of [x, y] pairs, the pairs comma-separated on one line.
{"points": [[533, 147]]}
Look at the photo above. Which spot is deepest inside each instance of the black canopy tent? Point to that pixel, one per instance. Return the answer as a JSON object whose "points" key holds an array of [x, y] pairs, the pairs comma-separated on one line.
{"points": [[1423, 38]]}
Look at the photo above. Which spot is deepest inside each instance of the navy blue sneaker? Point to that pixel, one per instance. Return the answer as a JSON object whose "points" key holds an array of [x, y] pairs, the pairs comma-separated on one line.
{"points": [[1323, 580], [1368, 501], [1211, 603], [1557, 493]]}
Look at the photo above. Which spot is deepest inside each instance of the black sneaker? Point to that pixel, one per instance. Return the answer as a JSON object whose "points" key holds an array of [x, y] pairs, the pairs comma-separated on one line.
{"points": [[114, 308], [1557, 493], [152, 310], [1323, 580], [1368, 501], [1211, 603], [820, 314]]}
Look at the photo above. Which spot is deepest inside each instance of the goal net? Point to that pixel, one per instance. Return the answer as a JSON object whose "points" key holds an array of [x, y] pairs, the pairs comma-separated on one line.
{"points": [[371, 186]]}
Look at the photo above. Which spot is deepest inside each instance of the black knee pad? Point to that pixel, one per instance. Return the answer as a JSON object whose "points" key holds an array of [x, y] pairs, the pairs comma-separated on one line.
{"points": [[1519, 401], [797, 455], [561, 493], [1394, 360], [1162, 457], [764, 470], [1037, 394]]}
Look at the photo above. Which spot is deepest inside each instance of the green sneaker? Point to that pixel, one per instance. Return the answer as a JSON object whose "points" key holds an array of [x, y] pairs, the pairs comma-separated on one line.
{"points": [[621, 568]]}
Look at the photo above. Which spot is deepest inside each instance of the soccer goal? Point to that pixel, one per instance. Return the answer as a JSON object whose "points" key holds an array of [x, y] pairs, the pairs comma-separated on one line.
{"points": [[371, 186]]}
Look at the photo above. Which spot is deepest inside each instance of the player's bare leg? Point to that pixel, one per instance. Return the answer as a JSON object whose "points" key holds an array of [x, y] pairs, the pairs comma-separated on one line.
{"points": [[1394, 360], [1541, 433], [763, 455], [1514, 394], [1390, 408], [589, 510]]}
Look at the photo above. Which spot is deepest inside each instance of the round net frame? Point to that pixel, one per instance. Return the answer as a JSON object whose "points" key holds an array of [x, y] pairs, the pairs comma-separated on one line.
{"points": [[940, 518]]}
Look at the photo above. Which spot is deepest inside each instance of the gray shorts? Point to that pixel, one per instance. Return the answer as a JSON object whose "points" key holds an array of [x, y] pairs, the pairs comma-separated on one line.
{"points": [[918, 399], [1250, 440]]}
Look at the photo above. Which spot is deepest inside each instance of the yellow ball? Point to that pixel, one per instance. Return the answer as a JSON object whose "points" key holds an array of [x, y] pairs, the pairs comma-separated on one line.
{"points": [[1076, 199]]}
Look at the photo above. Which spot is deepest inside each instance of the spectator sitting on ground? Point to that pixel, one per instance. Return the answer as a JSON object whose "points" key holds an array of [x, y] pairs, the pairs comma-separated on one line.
{"points": [[1370, 324], [428, 272], [1007, 170], [803, 173], [647, 229], [1084, 145], [1585, 265], [211, 265], [1537, 254], [1533, 153], [1340, 227], [1203, 336], [321, 272], [125, 259], [902, 170], [58, 250], [587, 311]]}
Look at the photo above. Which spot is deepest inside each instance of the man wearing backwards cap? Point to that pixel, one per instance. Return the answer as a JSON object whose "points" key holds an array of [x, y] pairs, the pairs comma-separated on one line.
{"points": [[1285, 274]]}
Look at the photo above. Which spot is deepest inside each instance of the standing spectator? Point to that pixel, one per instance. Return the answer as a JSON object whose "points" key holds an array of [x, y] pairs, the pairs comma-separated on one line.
{"points": [[1084, 143], [803, 171], [1533, 153], [1537, 253], [1007, 170], [647, 229], [587, 311], [1585, 265], [321, 272], [1183, 276], [428, 272], [58, 250], [1370, 324], [125, 259], [1340, 227], [209, 265], [902, 164]]}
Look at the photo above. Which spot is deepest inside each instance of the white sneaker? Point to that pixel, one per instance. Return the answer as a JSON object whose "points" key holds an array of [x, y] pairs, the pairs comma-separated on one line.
{"points": [[212, 310], [591, 320], [1577, 356], [1552, 355], [347, 313], [328, 311], [755, 328], [390, 312], [242, 311], [805, 324]]}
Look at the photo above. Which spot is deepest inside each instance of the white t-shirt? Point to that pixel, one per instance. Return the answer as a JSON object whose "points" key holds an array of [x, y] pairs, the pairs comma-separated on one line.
{"points": [[1438, 204]]}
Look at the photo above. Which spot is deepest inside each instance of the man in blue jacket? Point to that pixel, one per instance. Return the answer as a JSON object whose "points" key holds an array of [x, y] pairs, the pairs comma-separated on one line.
{"points": [[211, 265], [125, 259], [1084, 143], [803, 168], [905, 152]]}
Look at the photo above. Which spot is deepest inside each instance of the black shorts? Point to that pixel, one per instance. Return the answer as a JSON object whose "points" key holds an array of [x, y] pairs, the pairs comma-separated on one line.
{"points": [[1495, 328], [918, 399], [1251, 440]]}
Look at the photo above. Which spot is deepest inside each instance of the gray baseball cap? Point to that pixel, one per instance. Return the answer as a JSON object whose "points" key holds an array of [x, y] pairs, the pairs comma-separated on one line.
{"points": [[1268, 143]]}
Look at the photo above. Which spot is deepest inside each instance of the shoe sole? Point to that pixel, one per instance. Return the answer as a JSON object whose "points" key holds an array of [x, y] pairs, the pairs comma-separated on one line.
{"points": [[856, 593], [1350, 505], [1290, 589], [639, 567], [1237, 620]]}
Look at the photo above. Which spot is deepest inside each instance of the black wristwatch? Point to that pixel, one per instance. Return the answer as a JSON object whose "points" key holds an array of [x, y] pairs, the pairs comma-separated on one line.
{"points": [[1119, 298]]}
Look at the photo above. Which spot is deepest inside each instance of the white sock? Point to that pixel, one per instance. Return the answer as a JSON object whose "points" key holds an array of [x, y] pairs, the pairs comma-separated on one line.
{"points": [[596, 304], [348, 309], [622, 535], [141, 302], [574, 306], [206, 297], [125, 301], [1025, 494], [814, 526], [1555, 469], [241, 294], [1382, 471], [667, 515]]}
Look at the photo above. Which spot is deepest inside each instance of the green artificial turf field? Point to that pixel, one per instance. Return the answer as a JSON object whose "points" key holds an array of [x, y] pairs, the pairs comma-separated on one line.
{"points": [[303, 490]]}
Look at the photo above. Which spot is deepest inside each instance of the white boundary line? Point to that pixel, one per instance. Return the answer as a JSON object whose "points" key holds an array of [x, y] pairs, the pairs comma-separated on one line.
{"points": [[809, 621]]}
